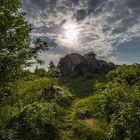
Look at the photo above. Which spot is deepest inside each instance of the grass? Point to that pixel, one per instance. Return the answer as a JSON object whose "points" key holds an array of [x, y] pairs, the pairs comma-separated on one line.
{"points": [[81, 86], [75, 109], [83, 108]]}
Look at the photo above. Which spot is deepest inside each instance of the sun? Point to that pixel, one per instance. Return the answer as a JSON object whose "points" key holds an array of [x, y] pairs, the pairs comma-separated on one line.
{"points": [[71, 33]]}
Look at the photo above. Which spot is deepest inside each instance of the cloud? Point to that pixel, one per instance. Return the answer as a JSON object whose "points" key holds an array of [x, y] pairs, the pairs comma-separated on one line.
{"points": [[133, 3], [105, 25], [93, 5], [80, 14]]}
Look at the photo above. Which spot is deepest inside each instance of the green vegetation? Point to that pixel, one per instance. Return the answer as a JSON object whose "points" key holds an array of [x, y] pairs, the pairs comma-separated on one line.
{"points": [[51, 65], [16, 51], [35, 121], [102, 107], [44, 104], [90, 55]]}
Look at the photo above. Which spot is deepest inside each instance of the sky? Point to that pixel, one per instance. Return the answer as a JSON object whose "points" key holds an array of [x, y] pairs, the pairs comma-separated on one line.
{"points": [[111, 28]]}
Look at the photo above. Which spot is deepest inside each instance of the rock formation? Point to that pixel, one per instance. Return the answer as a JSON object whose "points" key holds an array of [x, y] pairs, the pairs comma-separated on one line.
{"points": [[52, 92], [68, 63], [77, 64]]}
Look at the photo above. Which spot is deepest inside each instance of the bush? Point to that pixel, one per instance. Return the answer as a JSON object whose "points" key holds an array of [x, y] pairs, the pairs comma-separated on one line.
{"points": [[83, 114], [6, 113], [125, 123], [31, 91], [83, 132], [119, 106], [86, 133], [53, 73], [40, 72], [90, 55], [64, 100], [125, 74], [35, 122]]}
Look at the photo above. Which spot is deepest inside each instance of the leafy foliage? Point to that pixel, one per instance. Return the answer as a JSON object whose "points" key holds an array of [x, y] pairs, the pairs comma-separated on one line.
{"points": [[36, 121], [51, 65], [40, 72], [93, 108], [120, 103], [125, 74], [90, 55], [16, 51], [87, 133]]}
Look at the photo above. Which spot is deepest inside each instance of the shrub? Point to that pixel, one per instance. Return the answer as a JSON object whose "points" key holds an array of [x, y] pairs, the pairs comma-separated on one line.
{"points": [[90, 55], [35, 122], [31, 91], [86, 133], [64, 100], [125, 123], [119, 106], [83, 132], [82, 114], [40, 72], [125, 74]]}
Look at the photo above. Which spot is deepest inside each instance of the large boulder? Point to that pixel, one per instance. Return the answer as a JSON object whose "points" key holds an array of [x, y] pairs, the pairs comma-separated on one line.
{"points": [[68, 63], [53, 92], [88, 66], [93, 66], [77, 64]]}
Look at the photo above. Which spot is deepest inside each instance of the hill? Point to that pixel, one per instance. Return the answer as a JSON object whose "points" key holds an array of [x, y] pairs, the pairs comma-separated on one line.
{"points": [[87, 106]]}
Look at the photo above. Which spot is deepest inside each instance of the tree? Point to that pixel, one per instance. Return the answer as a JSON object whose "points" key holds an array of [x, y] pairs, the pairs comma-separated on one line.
{"points": [[90, 55], [51, 65], [16, 51], [41, 72]]}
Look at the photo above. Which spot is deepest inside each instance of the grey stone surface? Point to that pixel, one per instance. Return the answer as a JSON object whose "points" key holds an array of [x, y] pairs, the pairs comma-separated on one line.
{"points": [[78, 64], [68, 63]]}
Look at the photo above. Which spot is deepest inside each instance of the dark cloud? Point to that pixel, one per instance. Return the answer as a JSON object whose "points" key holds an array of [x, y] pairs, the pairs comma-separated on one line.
{"points": [[42, 3], [39, 3], [52, 29], [133, 3], [75, 1], [134, 6], [127, 22], [80, 14], [93, 5], [119, 30]]}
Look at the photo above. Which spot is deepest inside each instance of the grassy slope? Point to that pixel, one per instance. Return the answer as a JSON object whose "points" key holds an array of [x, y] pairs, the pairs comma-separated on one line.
{"points": [[82, 116], [83, 93], [82, 111], [76, 116]]}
